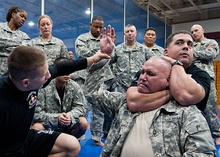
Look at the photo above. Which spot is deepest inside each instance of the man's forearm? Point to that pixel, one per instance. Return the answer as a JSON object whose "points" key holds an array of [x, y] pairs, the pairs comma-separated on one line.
{"points": [[96, 57], [185, 89], [146, 102]]}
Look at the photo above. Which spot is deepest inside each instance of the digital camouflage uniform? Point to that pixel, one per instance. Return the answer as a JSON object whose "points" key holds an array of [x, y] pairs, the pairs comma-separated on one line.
{"points": [[8, 41], [175, 131], [87, 45], [157, 50], [54, 48], [49, 104], [204, 54], [126, 62]]}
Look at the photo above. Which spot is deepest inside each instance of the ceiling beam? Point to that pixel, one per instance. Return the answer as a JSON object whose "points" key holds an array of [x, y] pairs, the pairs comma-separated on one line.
{"points": [[197, 8], [167, 5], [160, 10]]}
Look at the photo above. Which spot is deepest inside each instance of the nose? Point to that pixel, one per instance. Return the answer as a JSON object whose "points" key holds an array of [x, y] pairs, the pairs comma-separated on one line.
{"points": [[23, 19], [143, 77], [48, 75], [99, 29], [185, 46], [193, 32]]}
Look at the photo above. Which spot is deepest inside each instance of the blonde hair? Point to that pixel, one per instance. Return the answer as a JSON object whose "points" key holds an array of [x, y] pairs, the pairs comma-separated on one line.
{"points": [[44, 16]]}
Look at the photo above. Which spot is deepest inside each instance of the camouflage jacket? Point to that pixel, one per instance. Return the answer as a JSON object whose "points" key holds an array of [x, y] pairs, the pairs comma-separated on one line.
{"points": [[49, 104], [126, 62], [175, 130], [87, 45], [8, 41], [157, 50], [204, 54], [54, 48]]}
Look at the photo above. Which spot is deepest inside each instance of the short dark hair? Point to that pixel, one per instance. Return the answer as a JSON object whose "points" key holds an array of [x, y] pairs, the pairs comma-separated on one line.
{"points": [[170, 38], [11, 10], [99, 18], [60, 59], [150, 28], [24, 60]]}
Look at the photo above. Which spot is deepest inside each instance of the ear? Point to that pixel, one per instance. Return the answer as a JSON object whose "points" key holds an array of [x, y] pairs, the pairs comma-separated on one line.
{"points": [[25, 82], [165, 52], [12, 15]]}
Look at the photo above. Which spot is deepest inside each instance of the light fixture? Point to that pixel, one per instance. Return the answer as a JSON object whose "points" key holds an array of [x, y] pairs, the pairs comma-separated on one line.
{"points": [[31, 24], [88, 11]]}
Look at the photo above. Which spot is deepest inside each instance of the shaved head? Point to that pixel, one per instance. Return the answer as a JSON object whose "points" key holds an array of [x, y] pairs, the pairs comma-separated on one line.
{"points": [[197, 32]]}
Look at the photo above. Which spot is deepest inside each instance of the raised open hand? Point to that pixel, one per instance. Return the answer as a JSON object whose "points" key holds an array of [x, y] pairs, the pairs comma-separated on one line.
{"points": [[107, 39]]}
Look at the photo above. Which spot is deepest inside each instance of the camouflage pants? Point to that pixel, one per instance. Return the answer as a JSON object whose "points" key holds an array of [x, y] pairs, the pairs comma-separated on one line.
{"points": [[101, 122], [3, 65], [210, 112]]}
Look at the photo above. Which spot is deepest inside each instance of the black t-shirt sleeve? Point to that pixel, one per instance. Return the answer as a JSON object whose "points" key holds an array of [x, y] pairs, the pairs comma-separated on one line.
{"points": [[202, 78], [66, 67], [136, 77]]}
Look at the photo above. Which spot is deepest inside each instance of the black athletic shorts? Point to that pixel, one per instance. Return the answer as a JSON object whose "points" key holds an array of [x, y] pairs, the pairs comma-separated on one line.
{"points": [[38, 144]]}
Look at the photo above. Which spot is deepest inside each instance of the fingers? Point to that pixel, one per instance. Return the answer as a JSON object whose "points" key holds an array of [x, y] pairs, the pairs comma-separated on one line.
{"points": [[168, 59], [109, 30], [104, 31], [113, 32]]}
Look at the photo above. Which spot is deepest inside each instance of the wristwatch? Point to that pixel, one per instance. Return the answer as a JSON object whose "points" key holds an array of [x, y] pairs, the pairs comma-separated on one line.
{"points": [[177, 63]]}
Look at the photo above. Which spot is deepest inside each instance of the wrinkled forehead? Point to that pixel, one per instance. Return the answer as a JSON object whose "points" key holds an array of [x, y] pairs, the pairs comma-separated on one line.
{"points": [[158, 65]]}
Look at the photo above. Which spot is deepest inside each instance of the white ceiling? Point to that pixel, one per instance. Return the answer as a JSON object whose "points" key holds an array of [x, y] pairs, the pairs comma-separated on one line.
{"points": [[181, 11]]}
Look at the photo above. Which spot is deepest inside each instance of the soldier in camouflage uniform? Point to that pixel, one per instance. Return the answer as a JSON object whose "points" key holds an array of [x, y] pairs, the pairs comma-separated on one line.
{"points": [[61, 107], [86, 45], [205, 51], [150, 38], [11, 36], [170, 130], [128, 58], [52, 46]]}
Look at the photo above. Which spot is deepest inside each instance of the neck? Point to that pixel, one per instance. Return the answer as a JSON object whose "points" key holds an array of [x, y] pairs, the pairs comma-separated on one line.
{"points": [[149, 45], [130, 43], [60, 85], [46, 37], [201, 39], [12, 26]]}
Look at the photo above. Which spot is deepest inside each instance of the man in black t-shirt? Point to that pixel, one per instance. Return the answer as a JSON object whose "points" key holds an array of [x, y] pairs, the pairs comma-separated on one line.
{"points": [[188, 84], [27, 72]]}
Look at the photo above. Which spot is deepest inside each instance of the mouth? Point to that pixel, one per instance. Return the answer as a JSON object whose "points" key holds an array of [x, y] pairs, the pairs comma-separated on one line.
{"points": [[66, 78], [184, 54], [141, 85]]}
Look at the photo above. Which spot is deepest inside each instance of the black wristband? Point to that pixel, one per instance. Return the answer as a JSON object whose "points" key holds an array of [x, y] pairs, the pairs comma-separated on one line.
{"points": [[177, 63]]}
